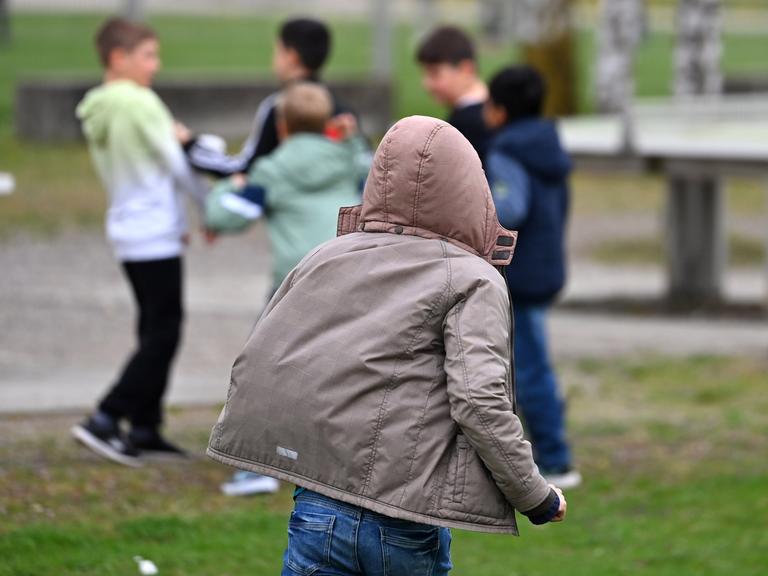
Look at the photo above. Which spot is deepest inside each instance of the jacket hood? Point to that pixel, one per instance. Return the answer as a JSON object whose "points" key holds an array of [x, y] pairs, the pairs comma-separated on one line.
{"points": [[93, 112], [98, 108], [536, 145], [426, 180], [313, 161]]}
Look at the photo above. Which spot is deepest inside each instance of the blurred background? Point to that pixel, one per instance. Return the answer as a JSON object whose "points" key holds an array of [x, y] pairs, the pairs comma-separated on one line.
{"points": [[660, 338]]}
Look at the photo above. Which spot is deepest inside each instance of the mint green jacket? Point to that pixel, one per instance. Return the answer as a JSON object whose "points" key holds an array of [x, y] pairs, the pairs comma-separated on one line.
{"points": [[306, 180]]}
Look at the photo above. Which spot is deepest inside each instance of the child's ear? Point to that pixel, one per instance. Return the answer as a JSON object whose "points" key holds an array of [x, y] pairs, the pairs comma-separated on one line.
{"points": [[116, 58], [468, 67], [494, 115], [293, 57], [282, 128], [502, 114]]}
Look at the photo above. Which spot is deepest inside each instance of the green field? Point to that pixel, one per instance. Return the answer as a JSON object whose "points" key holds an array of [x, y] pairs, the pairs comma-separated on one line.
{"points": [[672, 452], [61, 44], [56, 185]]}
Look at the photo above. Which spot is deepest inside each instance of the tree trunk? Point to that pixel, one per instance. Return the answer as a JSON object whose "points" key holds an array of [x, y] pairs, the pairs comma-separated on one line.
{"points": [[622, 27], [133, 10], [699, 47], [5, 23], [549, 48]]}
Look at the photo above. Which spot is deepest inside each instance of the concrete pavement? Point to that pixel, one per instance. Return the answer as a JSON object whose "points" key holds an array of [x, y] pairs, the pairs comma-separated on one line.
{"points": [[66, 319]]}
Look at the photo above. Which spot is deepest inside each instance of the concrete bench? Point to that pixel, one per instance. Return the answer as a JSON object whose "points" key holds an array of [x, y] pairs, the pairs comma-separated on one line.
{"points": [[45, 107], [695, 143]]}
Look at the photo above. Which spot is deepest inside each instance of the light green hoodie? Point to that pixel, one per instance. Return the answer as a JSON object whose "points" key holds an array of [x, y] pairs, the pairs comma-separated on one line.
{"points": [[132, 142], [306, 180]]}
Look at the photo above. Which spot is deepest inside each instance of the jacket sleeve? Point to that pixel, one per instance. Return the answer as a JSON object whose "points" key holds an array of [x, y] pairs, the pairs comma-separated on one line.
{"points": [[478, 371], [231, 209], [261, 141], [155, 126], [510, 189]]}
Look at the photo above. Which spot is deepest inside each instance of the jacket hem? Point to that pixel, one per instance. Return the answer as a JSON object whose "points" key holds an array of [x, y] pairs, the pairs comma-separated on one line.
{"points": [[356, 500], [157, 250]]}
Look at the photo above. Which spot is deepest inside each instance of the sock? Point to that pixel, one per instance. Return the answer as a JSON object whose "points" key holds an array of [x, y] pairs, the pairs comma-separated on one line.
{"points": [[143, 434], [103, 420]]}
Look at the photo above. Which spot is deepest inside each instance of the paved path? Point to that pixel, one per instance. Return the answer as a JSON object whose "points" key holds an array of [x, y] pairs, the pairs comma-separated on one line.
{"points": [[66, 319]]}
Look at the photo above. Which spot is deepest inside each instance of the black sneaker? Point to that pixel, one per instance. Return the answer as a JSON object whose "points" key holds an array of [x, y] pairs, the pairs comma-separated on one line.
{"points": [[153, 446], [107, 442]]}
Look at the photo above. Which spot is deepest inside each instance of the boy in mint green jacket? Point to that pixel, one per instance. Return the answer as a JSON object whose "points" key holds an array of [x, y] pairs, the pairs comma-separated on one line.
{"points": [[300, 186]]}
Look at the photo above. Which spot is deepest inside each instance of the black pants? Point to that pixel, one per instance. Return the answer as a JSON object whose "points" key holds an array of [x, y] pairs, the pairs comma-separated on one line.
{"points": [[138, 393]]}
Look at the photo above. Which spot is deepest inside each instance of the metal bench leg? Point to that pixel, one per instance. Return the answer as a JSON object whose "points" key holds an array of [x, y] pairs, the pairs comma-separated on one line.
{"points": [[696, 247]]}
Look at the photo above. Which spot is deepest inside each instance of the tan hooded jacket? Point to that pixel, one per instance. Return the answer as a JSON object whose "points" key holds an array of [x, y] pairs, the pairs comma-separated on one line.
{"points": [[380, 373]]}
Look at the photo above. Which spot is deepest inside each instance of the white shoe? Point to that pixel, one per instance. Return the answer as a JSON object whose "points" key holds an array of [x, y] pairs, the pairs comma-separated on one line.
{"points": [[247, 483], [564, 480]]}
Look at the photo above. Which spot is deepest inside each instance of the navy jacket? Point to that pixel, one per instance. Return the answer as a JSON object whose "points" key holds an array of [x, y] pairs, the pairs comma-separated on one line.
{"points": [[528, 172], [469, 121]]}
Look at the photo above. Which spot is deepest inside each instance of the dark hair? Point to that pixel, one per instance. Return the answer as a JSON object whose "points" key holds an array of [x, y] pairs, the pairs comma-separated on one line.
{"points": [[520, 90], [120, 33], [446, 44], [310, 38]]}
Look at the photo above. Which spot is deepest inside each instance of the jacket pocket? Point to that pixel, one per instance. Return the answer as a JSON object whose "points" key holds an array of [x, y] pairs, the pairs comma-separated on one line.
{"points": [[460, 467], [309, 541], [469, 489], [410, 550]]}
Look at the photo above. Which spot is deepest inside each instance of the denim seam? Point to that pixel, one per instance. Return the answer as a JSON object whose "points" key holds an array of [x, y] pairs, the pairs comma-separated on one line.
{"points": [[385, 555], [356, 536], [338, 507], [326, 559]]}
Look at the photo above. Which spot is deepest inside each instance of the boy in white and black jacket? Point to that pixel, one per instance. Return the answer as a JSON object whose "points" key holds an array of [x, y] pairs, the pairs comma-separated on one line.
{"points": [[300, 51]]}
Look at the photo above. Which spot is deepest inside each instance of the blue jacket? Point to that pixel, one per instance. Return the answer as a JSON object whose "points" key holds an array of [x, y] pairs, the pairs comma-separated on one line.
{"points": [[528, 171]]}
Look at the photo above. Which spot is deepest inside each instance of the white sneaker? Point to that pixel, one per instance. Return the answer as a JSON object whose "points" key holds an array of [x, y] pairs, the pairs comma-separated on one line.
{"points": [[564, 480], [247, 483]]}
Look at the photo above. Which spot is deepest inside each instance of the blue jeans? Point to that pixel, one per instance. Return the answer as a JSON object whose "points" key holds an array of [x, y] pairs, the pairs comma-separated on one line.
{"points": [[327, 537], [540, 403]]}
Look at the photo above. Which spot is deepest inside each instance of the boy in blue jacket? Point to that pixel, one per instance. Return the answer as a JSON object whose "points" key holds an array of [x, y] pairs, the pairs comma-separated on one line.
{"points": [[528, 172]]}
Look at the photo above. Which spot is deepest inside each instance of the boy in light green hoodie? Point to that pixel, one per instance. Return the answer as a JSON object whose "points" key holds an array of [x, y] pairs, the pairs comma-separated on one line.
{"points": [[301, 185], [131, 138]]}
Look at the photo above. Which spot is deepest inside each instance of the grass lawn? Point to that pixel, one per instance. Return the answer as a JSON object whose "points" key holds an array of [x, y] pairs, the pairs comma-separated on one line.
{"points": [[742, 251], [671, 451]]}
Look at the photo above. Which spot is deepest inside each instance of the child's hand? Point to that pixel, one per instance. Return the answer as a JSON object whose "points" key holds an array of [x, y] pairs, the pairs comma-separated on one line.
{"points": [[210, 236], [238, 180], [183, 134], [343, 126], [563, 505]]}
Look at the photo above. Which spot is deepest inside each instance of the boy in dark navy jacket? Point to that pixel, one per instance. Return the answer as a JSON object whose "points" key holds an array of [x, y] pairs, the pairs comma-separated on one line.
{"points": [[528, 172]]}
